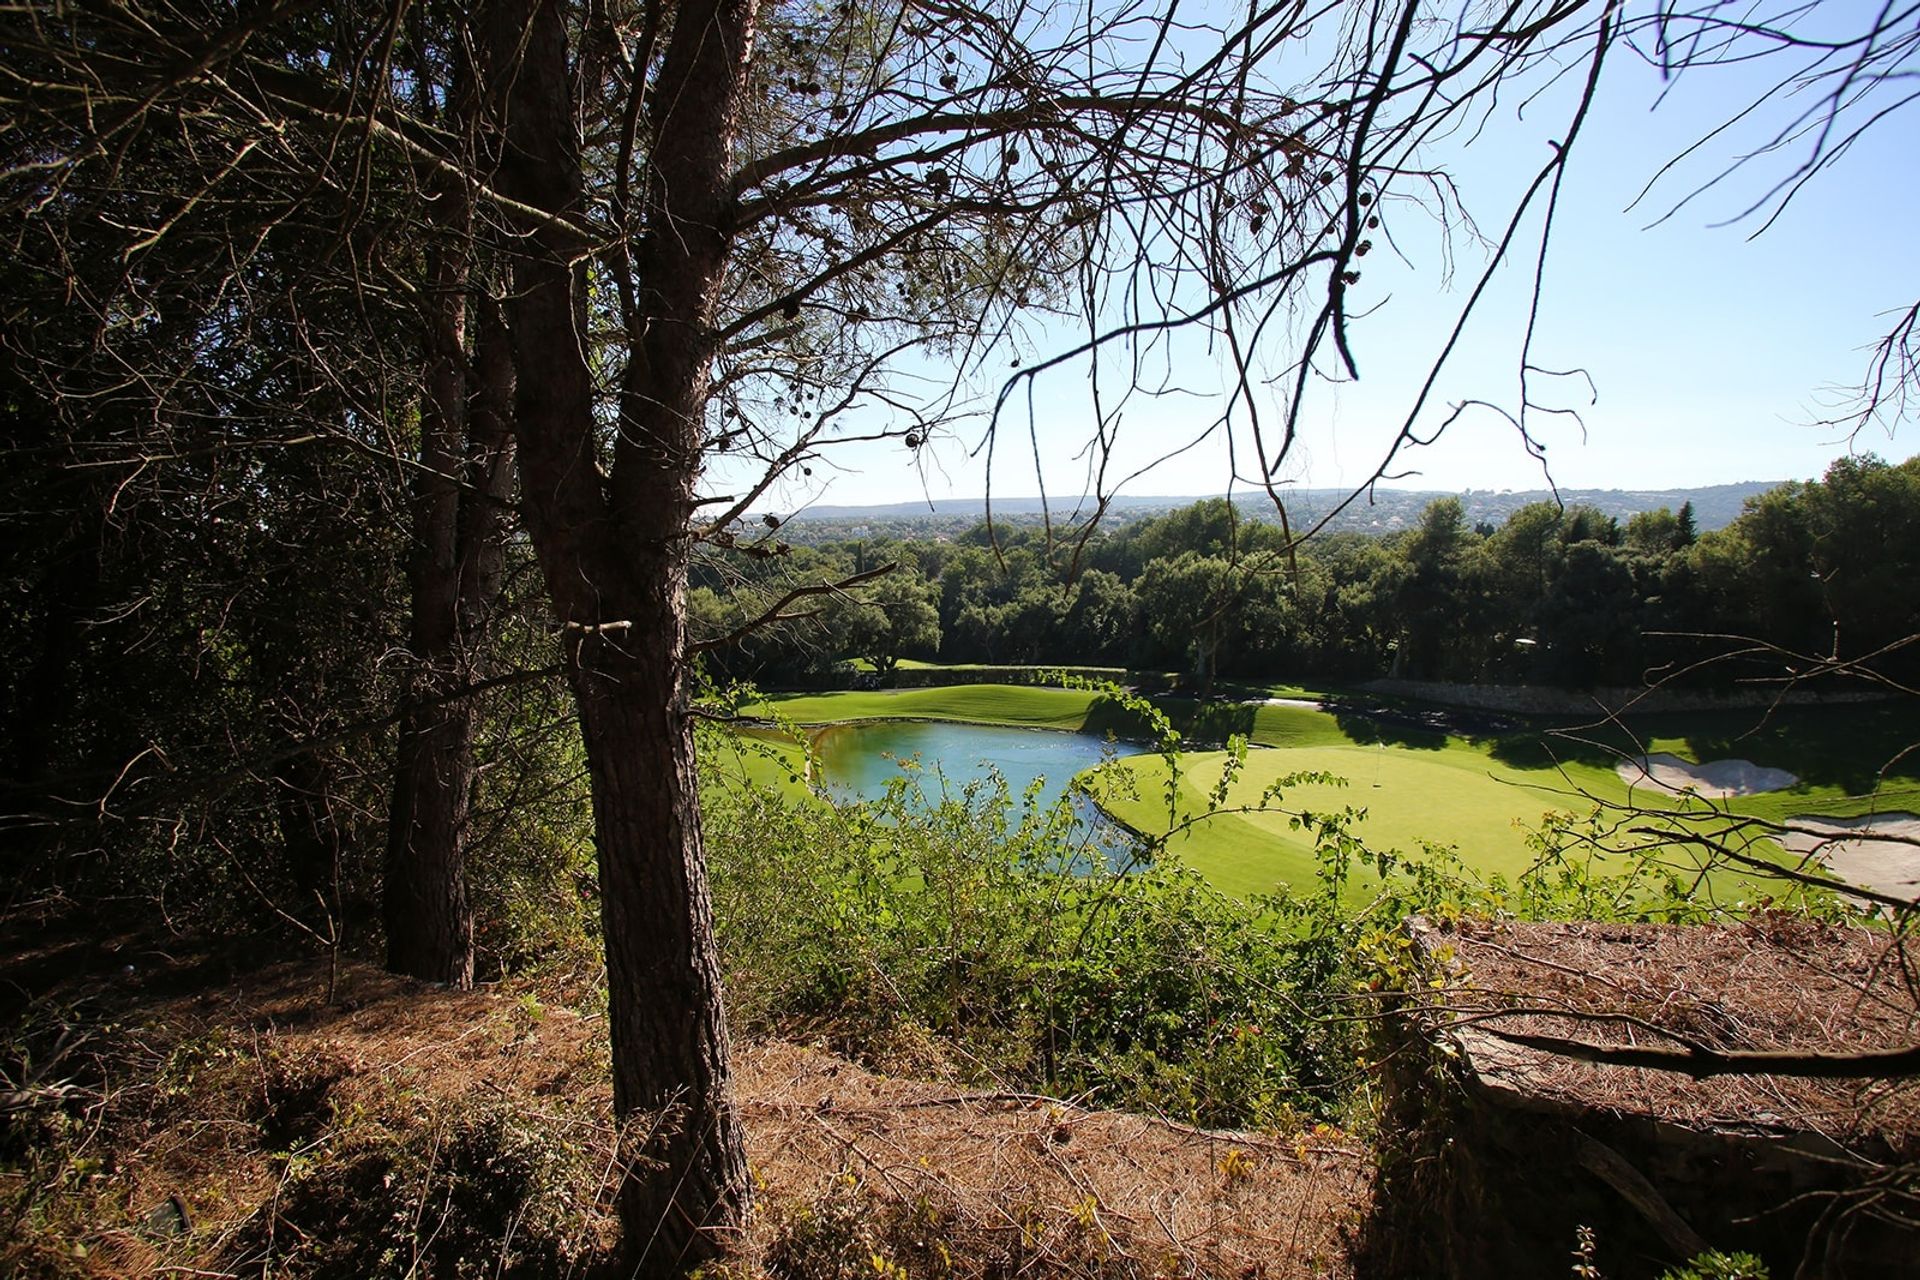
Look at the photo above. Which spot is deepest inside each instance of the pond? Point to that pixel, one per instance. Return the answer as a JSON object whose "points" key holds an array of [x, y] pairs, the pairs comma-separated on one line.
{"points": [[859, 760]]}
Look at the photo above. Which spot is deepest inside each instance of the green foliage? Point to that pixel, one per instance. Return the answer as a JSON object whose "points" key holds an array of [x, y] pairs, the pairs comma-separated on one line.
{"points": [[966, 925], [530, 865], [1009, 942], [1564, 596], [1715, 1265], [891, 618], [1009, 935]]}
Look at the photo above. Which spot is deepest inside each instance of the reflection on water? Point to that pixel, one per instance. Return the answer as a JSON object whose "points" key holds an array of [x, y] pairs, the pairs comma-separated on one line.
{"points": [[857, 761]]}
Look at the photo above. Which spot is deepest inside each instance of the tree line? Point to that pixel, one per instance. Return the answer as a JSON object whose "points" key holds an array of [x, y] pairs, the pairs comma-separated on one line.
{"points": [[1563, 596]]}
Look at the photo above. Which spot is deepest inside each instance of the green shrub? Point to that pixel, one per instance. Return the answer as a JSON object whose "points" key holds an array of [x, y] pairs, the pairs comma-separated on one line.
{"points": [[1005, 931], [1037, 955], [530, 866], [1714, 1265]]}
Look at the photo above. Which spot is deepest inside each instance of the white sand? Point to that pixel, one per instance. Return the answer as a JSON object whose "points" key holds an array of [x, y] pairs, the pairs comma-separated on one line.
{"points": [[1715, 781], [1881, 852]]}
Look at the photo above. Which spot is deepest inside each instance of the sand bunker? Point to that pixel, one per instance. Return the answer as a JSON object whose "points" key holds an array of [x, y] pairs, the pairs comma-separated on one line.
{"points": [[1715, 781], [1881, 852]]}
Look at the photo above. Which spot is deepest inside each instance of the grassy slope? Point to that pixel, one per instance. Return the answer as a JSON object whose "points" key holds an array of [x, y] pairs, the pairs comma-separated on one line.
{"points": [[1040, 707], [759, 759]]}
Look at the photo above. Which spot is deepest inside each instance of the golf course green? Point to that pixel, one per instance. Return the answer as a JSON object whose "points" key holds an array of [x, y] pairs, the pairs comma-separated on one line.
{"points": [[1455, 795], [1482, 794]]}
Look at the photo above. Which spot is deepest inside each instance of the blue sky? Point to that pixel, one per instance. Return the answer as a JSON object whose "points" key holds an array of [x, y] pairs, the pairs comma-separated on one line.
{"points": [[1713, 352]]}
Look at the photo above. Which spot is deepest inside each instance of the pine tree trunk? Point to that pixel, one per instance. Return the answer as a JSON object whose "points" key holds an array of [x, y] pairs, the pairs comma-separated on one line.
{"points": [[312, 841], [461, 549], [429, 917], [670, 1050], [613, 542]]}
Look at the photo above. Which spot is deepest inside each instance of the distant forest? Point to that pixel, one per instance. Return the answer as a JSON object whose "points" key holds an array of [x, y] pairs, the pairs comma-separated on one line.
{"points": [[1562, 595], [1380, 510]]}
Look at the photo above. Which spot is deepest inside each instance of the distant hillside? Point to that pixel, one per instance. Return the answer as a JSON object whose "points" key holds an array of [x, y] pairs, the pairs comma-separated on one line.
{"points": [[1386, 510]]}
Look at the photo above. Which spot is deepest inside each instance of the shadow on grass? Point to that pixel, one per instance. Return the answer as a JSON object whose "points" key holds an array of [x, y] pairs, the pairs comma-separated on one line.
{"points": [[1199, 722], [1854, 748], [1363, 721], [1419, 726], [1367, 723], [1106, 717]]}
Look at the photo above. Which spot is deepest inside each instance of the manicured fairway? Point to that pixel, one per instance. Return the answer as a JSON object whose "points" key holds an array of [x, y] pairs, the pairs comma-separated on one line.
{"points": [[978, 703], [1453, 795], [1270, 724]]}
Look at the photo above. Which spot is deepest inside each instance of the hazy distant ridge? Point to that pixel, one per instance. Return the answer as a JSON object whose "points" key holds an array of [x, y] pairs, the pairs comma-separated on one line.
{"points": [[1713, 505]]}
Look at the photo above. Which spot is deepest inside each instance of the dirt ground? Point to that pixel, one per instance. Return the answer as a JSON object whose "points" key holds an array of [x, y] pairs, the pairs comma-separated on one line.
{"points": [[1176, 1199], [1062, 1188]]}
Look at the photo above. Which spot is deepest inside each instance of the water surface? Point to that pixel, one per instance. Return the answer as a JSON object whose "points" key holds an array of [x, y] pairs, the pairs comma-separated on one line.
{"points": [[859, 760]]}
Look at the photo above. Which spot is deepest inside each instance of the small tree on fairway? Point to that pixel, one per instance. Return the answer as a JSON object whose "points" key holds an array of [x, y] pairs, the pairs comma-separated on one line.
{"points": [[896, 614]]}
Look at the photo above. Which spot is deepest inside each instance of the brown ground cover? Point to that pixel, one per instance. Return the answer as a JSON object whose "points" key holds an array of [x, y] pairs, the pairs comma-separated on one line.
{"points": [[1774, 984], [1161, 1198], [192, 1107]]}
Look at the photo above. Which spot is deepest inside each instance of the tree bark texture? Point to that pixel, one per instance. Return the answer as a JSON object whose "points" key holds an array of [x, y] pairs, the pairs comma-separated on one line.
{"points": [[614, 549], [461, 489], [312, 840], [428, 915]]}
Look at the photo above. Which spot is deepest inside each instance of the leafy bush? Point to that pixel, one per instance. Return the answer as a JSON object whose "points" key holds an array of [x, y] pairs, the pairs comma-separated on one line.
{"points": [[1714, 1265], [1036, 950], [1028, 947]]}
